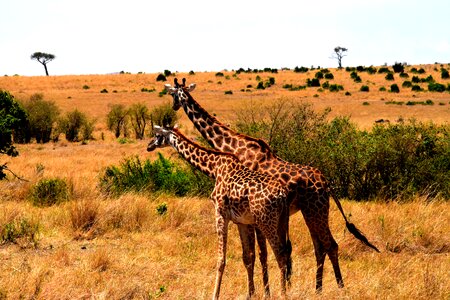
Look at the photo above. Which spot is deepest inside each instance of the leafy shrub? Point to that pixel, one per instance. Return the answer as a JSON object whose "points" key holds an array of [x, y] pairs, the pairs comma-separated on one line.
{"points": [[382, 89], [364, 88], [371, 70], [117, 120], [161, 175], [313, 82], [415, 79], [336, 88], [139, 118], [355, 77], [404, 75], [394, 88], [329, 76], [319, 75], [13, 119], [76, 126], [416, 88], [20, 230], [398, 67], [300, 70], [161, 209], [436, 87], [47, 192], [42, 116], [260, 86], [161, 77], [191, 72], [163, 115], [86, 87], [389, 76], [167, 73], [104, 91], [229, 92], [219, 74], [393, 161], [383, 70], [406, 84], [444, 74]]}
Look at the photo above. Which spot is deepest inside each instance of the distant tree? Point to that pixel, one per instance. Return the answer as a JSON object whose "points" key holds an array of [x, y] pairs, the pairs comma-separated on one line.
{"points": [[12, 115], [43, 58], [339, 54], [117, 120], [139, 117], [42, 116]]}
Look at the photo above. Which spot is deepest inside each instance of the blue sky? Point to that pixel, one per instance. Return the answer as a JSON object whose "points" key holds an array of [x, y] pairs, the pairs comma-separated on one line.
{"points": [[101, 36]]}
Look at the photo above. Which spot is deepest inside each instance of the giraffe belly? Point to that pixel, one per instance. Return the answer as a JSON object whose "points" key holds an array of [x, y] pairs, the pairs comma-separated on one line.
{"points": [[241, 217]]}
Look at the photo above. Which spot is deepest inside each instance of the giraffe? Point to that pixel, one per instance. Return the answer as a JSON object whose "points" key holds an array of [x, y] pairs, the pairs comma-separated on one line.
{"points": [[308, 186], [240, 195]]}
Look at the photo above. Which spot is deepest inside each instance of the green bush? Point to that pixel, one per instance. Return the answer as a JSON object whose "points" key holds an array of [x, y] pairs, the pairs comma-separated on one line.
{"points": [[159, 176], [139, 116], [219, 74], [47, 192], [42, 117], [313, 82], [13, 119], [436, 87], [395, 88], [392, 161], [76, 126], [329, 76], [389, 76], [161, 77], [364, 88], [104, 91], [21, 231], [163, 115], [416, 88], [228, 92], [398, 67], [117, 120], [406, 84], [444, 74], [335, 88]]}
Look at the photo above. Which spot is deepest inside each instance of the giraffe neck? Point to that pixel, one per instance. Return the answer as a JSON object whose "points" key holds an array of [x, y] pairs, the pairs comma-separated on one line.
{"points": [[206, 160], [250, 151]]}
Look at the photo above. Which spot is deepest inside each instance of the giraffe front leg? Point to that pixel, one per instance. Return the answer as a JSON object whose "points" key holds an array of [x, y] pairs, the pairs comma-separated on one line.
{"points": [[222, 233], [247, 235]]}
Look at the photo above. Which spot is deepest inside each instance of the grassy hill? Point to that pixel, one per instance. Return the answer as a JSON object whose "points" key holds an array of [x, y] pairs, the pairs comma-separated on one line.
{"points": [[97, 247]]}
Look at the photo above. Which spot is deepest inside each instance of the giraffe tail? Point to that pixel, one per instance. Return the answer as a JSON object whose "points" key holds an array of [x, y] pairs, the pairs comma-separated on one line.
{"points": [[351, 227]]}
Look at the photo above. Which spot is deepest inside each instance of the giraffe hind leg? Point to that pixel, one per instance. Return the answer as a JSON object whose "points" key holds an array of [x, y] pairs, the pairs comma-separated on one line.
{"points": [[263, 260], [247, 235]]}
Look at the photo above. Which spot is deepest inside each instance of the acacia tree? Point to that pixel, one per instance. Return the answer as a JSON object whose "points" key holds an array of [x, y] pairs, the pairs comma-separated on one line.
{"points": [[43, 58], [339, 54]]}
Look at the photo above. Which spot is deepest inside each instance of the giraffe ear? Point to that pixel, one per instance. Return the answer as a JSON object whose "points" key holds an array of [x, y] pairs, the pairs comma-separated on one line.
{"points": [[169, 88], [191, 87]]}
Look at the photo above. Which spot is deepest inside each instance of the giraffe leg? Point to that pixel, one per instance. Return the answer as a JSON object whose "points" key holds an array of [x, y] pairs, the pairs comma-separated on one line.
{"points": [[320, 254], [222, 233], [263, 260], [333, 254], [247, 235]]}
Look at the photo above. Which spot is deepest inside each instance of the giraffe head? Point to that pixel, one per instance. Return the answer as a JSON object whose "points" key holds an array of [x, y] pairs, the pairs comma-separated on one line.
{"points": [[178, 92], [161, 138]]}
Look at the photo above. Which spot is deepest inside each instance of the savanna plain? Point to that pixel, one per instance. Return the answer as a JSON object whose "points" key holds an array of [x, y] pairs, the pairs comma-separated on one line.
{"points": [[132, 251]]}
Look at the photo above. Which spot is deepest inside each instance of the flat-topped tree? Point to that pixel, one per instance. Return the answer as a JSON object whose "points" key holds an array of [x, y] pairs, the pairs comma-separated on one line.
{"points": [[43, 58]]}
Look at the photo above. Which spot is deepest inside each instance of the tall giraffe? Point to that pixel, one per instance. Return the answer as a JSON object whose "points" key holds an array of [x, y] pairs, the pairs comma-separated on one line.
{"points": [[240, 195], [308, 186]]}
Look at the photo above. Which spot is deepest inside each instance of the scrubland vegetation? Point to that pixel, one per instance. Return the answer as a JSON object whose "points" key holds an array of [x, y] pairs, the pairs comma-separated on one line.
{"points": [[100, 218]]}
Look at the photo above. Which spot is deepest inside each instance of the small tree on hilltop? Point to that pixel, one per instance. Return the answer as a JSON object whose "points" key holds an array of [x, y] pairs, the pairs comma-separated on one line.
{"points": [[339, 54], [43, 58]]}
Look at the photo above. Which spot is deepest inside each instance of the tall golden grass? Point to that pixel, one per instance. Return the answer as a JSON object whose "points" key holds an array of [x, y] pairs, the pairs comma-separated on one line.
{"points": [[94, 247]]}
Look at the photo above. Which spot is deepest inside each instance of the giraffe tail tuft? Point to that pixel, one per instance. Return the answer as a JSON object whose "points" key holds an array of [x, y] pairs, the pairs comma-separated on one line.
{"points": [[358, 234]]}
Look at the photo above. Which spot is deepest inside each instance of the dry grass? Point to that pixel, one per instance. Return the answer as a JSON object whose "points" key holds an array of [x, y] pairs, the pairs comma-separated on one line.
{"points": [[94, 247]]}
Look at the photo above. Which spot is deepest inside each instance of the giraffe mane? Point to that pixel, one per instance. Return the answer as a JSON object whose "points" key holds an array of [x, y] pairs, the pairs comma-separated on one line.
{"points": [[209, 150]]}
